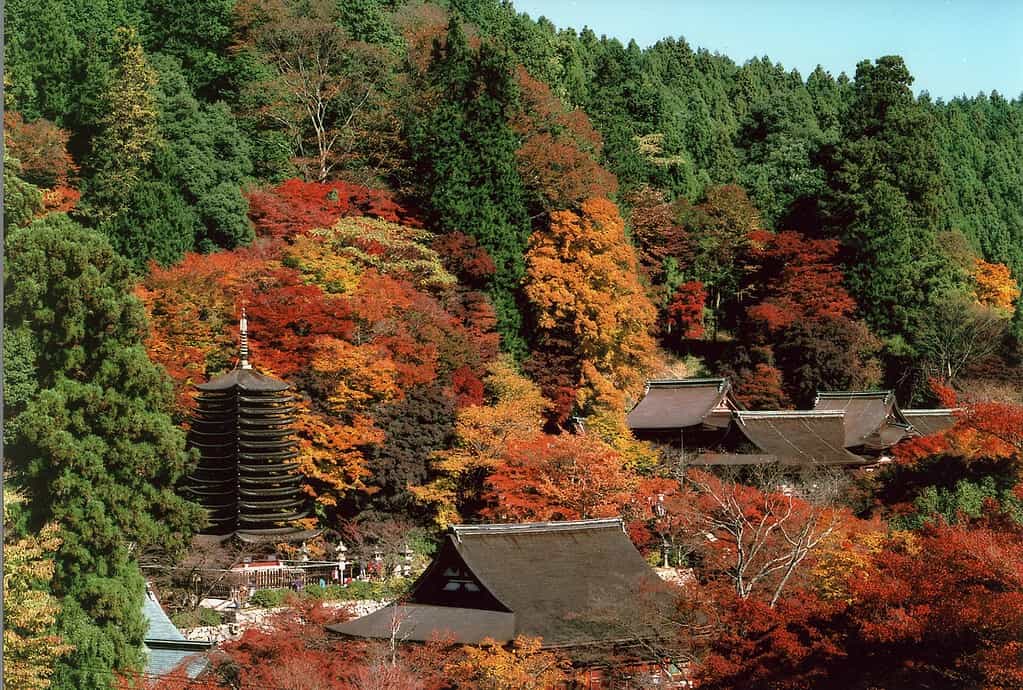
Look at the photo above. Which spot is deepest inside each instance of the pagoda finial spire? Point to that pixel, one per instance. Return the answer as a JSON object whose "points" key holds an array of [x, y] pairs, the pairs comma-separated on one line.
{"points": [[243, 331]]}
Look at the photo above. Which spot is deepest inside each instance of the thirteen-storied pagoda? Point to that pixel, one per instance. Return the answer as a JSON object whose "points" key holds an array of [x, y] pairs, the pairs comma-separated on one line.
{"points": [[247, 477]]}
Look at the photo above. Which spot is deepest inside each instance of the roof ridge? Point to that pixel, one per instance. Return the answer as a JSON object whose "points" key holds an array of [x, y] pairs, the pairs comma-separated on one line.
{"points": [[686, 382], [520, 527], [932, 410], [770, 414], [853, 394]]}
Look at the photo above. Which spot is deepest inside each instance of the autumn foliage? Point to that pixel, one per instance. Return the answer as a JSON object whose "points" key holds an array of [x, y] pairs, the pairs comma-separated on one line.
{"points": [[353, 315], [564, 477], [558, 158], [582, 286], [295, 206], [995, 286]]}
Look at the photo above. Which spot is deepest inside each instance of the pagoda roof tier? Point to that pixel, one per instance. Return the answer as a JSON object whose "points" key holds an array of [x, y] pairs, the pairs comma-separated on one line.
{"points": [[248, 380]]}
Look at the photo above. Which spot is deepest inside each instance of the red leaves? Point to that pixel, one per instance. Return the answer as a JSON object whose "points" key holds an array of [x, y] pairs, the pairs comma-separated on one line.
{"points": [[558, 159], [353, 317], [685, 312], [559, 478], [956, 595], [805, 284], [295, 207], [41, 147]]}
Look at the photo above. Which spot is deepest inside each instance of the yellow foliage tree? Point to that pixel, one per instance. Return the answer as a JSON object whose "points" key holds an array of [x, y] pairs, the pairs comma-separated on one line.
{"points": [[514, 413], [30, 654], [582, 284], [845, 554], [523, 666], [994, 285]]}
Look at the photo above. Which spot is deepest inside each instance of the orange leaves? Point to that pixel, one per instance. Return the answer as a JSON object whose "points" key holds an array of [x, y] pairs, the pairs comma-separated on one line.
{"points": [[482, 432], [957, 596], [353, 316], [350, 377], [994, 286], [759, 540], [685, 311], [331, 453], [562, 477], [523, 666], [581, 281], [41, 148]]}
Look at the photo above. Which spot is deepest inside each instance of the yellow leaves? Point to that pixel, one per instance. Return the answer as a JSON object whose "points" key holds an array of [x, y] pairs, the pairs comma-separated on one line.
{"points": [[330, 452], [515, 413], [994, 286], [321, 265], [29, 612], [581, 280], [353, 375], [490, 666], [846, 554], [336, 257], [483, 431]]}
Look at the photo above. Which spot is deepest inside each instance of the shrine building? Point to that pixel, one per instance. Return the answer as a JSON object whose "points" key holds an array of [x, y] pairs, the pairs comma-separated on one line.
{"points": [[580, 586]]}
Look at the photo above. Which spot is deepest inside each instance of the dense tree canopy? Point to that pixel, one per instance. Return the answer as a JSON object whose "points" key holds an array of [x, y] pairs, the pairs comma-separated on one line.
{"points": [[467, 237], [93, 446]]}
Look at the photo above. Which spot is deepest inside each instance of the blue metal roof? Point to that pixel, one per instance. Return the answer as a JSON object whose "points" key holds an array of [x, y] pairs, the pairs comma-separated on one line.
{"points": [[166, 648]]}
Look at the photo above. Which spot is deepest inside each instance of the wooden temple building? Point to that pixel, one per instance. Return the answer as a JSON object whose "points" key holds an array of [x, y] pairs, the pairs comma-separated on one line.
{"points": [[844, 429], [247, 476], [691, 413], [581, 586]]}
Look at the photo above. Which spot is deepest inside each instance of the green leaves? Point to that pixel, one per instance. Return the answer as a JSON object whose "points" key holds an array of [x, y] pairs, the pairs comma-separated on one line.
{"points": [[93, 442], [464, 151]]}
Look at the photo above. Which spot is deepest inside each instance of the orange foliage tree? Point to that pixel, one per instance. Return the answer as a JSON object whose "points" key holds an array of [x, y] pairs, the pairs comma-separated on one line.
{"points": [[564, 477], [353, 315], [521, 666], [582, 285], [994, 285]]}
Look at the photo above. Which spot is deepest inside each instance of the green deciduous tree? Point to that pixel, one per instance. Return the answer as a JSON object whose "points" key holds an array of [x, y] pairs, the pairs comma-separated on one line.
{"points": [[94, 448], [22, 200]]}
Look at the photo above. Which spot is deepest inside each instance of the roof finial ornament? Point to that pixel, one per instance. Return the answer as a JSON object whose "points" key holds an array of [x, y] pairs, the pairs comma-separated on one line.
{"points": [[243, 331]]}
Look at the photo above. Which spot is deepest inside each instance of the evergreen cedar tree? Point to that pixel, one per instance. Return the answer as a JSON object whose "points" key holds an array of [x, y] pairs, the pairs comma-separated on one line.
{"points": [[93, 434]]}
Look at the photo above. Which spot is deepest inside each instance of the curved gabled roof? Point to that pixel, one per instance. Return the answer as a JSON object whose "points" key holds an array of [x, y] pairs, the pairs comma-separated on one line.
{"points": [[570, 583], [800, 437], [680, 403], [872, 418], [927, 422]]}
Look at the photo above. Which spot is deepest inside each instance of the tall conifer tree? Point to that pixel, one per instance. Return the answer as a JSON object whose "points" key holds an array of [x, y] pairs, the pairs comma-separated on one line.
{"points": [[464, 150], [93, 447]]}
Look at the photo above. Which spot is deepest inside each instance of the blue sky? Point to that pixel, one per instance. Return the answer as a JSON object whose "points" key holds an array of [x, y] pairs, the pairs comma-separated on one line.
{"points": [[952, 47]]}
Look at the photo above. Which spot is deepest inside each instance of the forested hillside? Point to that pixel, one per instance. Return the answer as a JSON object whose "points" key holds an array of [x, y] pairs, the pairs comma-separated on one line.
{"points": [[463, 235]]}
